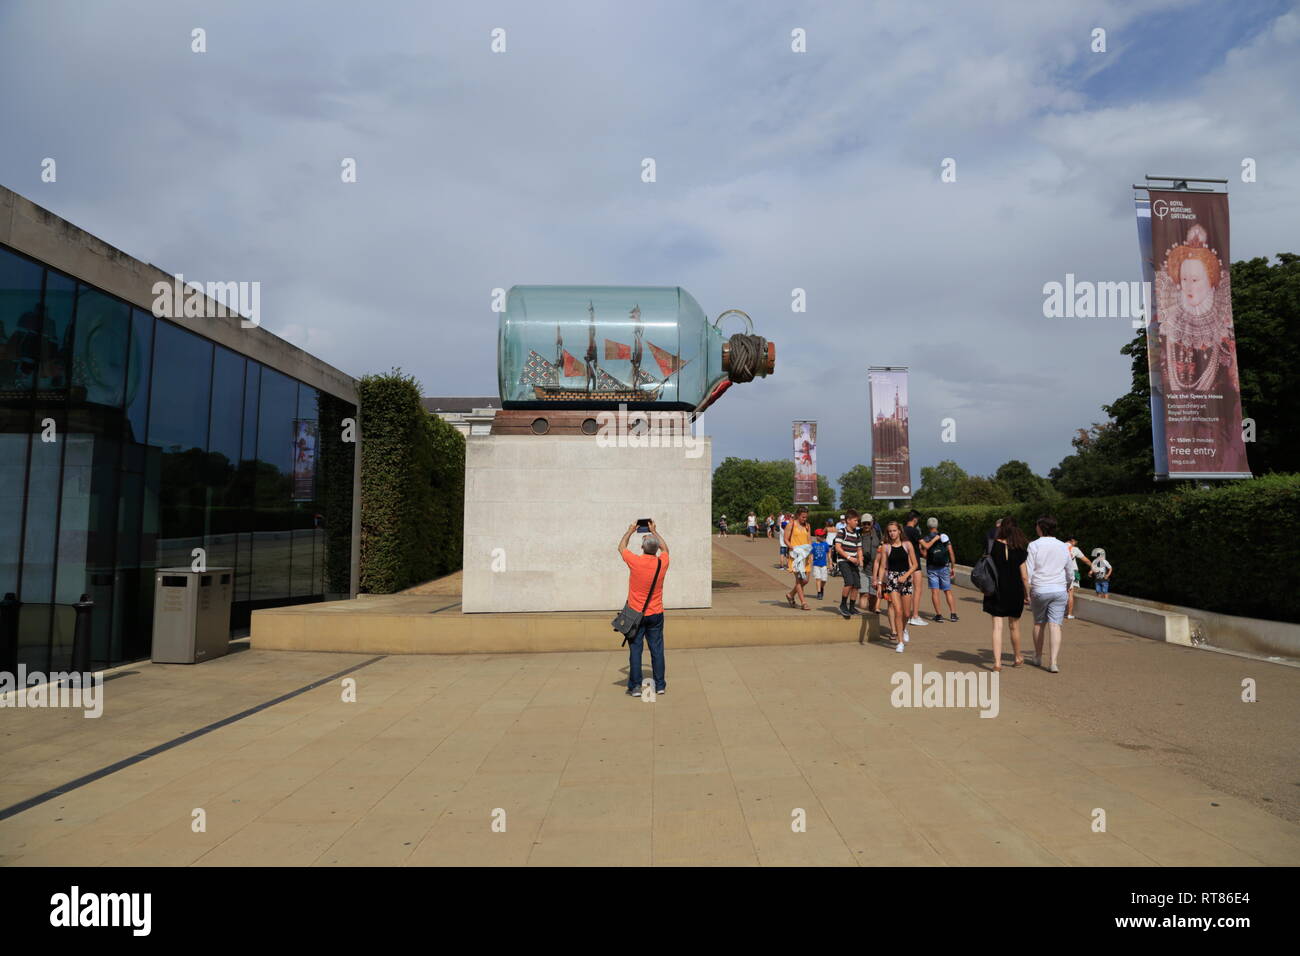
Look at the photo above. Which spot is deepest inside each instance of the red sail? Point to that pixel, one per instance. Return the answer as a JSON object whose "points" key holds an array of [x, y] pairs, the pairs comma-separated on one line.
{"points": [[572, 367], [668, 362], [617, 350]]}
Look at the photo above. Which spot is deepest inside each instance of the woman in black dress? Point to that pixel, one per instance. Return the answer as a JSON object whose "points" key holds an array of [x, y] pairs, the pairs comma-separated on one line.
{"points": [[1009, 549]]}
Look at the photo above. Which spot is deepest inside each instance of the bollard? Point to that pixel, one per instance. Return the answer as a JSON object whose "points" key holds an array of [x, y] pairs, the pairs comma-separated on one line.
{"points": [[9, 634], [81, 635]]}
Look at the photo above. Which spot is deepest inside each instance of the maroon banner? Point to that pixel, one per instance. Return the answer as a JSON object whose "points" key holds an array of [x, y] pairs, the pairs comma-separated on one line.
{"points": [[1191, 344], [805, 463], [891, 457]]}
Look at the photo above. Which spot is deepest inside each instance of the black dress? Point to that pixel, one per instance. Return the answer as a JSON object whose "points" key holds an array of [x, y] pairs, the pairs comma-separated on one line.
{"points": [[1009, 601]]}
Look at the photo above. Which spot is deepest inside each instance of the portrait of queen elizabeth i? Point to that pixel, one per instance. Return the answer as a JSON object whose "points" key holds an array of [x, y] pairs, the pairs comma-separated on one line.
{"points": [[1194, 312]]}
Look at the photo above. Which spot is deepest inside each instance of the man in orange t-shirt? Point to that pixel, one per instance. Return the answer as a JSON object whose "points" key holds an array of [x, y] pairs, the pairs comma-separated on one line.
{"points": [[641, 568]]}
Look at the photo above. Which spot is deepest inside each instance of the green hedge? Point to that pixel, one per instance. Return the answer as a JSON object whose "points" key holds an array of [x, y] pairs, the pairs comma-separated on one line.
{"points": [[412, 487], [1193, 547]]}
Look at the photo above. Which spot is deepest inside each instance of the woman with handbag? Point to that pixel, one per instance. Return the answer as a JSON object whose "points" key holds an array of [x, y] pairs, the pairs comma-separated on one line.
{"points": [[1008, 549]]}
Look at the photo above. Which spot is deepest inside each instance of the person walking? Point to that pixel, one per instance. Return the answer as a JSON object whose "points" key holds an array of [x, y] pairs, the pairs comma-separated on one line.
{"points": [[939, 559], [894, 570], [1050, 570], [648, 568], [913, 532], [798, 542], [783, 549], [722, 527], [751, 526], [832, 561], [769, 522], [1009, 550], [1075, 557], [1101, 573], [869, 535], [848, 551], [820, 559]]}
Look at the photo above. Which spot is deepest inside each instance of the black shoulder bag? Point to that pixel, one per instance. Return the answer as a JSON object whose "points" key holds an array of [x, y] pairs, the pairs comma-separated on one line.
{"points": [[984, 575], [628, 621]]}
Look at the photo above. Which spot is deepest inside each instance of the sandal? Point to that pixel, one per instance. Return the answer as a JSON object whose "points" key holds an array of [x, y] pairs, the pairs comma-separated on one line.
{"points": [[790, 598], [1019, 661], [804, 607]]}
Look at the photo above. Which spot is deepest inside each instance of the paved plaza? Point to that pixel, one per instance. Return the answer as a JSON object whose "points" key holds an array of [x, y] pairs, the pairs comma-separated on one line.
{"points": [[772, 755]]}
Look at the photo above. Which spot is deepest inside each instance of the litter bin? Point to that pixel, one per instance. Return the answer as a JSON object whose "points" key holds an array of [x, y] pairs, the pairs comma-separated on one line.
{"points": [[191, 614]]}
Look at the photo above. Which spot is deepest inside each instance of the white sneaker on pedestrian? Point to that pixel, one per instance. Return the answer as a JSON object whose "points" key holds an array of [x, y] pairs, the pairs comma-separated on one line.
{"points": [[899, 646], [1069, 617], [918, 622], [1054, 669], [906, 637]]}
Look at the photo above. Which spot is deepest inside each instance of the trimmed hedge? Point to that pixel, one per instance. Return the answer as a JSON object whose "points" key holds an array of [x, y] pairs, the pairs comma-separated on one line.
{"points": [[1193, 547], [412, 487]]}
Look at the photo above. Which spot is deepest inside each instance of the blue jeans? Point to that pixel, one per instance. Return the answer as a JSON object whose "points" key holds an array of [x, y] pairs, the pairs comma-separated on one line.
{"points": [[652, 633]]}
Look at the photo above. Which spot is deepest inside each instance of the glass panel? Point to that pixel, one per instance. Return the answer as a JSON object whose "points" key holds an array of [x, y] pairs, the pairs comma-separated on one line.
{"points": [[137, 375], [178, 426], [42, 518], [55, 370], [20, 322], [13, 480], [247, 481], [100, 351], [273, 545], [225, 425], [306, 517]]}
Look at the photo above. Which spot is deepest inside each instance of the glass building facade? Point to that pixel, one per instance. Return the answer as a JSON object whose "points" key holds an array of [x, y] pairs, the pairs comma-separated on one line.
{"points": [[126, 442]]}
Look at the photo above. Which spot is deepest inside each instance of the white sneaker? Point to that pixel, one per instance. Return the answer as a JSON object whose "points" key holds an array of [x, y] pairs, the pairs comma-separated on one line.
{"points": [[899, 647], [916, 621], [1054, 669], [906, 637], [1069, 617]]}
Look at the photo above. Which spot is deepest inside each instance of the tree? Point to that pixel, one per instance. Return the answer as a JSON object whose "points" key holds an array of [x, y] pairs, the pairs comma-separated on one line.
{"points": [[740, 483], [855, 487], [939, 484], [825, 493], [976, 490], [1021, 483], [768, 505]]}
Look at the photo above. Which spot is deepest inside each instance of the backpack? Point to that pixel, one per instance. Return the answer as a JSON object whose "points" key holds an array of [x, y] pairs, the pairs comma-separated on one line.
{"points": [[984, 575]]}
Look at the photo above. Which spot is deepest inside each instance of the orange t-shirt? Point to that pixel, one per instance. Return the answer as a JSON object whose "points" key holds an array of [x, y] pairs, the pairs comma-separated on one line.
{"points": [[642, 568]]}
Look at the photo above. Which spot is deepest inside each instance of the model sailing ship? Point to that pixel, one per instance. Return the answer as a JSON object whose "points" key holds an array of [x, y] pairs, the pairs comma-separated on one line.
{"points": [[554, 381]]}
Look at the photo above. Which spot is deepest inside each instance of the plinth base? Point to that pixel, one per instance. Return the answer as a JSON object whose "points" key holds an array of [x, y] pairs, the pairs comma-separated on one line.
{"points": [[544, 515]]}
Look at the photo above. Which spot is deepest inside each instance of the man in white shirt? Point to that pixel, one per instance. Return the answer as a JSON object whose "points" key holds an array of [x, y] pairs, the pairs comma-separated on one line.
{"points": [[1050, 569]]}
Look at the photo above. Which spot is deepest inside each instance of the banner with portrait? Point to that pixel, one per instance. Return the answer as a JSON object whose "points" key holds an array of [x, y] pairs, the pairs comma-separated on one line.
{"points": [[304, 459], [1158, 445], [891, 463], [805, 463], [1191, 345]]}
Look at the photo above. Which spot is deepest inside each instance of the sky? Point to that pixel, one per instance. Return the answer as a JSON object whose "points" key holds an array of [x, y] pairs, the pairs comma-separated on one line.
{"points": [[775, 170]]}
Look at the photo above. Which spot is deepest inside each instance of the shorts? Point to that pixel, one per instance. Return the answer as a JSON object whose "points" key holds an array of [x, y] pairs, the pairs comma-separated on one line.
{"points": [[1103, 587], [850, 573], [819, 572], [940, 579], [1048, 606], [1074, 582], [898, 582]]}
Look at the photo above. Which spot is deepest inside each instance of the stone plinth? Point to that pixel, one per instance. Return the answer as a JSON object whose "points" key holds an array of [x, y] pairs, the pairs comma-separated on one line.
{"points": [[544, 515]]}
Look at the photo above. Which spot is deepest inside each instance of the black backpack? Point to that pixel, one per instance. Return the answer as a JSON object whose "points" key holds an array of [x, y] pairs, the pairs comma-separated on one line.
{"points": [[984, 575]]}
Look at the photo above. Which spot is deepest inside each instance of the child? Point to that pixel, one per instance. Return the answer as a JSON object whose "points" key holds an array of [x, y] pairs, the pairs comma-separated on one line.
{"points": [[1102, 570], [819, 551], [831, 531]]}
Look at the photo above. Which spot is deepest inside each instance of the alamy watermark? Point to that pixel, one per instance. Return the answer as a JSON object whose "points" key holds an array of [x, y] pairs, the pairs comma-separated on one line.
{"points": [[177, 299], [648, 429], [59, 689], [946, 689], [1084, 299]]}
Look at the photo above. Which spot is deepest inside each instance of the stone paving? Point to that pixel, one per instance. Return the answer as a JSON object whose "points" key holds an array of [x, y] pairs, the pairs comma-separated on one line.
{"points": [[756, 755]]}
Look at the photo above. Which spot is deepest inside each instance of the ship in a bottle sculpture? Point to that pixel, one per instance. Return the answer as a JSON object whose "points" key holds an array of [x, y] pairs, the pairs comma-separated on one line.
{"points": [[599, 347]]}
